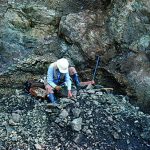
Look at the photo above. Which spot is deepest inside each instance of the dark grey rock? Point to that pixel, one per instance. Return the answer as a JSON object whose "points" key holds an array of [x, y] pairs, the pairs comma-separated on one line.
{"points": [[76, 112], [11, 122], [14, 138], [63, 114], [116, 135], [77, 139], [16, 117]]}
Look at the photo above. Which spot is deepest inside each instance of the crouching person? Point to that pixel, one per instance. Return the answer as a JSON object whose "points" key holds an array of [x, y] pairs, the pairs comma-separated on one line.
{"points": [[59, 74]]}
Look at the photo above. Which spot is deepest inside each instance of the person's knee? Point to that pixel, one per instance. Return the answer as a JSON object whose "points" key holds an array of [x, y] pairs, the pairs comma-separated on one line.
{"points": [[72, 70]]}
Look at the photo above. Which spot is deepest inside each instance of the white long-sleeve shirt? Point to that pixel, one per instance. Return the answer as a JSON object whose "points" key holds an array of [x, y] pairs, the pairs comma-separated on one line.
{"points": [[51, 79]]}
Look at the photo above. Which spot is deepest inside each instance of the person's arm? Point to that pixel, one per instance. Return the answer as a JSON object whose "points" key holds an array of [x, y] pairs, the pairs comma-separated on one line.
{"points": [[68, 81], [50, 77]]}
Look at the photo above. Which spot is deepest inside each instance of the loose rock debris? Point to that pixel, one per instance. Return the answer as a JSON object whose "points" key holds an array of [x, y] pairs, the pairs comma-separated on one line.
{"points": [[94, 120]]}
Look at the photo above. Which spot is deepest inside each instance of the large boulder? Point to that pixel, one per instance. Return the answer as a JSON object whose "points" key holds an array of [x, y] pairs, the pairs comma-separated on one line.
{"points": [[86, 30]]}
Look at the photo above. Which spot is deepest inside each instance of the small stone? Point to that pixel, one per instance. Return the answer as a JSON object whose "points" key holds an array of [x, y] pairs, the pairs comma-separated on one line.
{"points": [[117, 128], [76, 112], [48, 110], [65, 100], [77, 138], [89, 112], [91, 91], [63, 114], [51, 106], [91, 120], [110, 118], [14, 138], [62, 139], [36, 140], [128, 141], [15, 117], [87, 121], [77, 104], [90, 86], [38, 146], [94, 97], [96, 102], [85, 128], [58, 120], [88, 131], [18, 92], [97, 110], [76, 124], [99, 93], [116, 135], [4, 123], [88, 103], [11, 122], [136, 121], [104, 121]]}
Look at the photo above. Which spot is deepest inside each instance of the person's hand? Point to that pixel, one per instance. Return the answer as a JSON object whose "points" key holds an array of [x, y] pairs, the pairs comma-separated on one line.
{"points": [[92, 82], [69, 94], [58, 88]]}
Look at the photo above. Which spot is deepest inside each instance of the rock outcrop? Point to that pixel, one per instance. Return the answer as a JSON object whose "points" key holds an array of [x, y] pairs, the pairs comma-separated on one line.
{"points": [[128, 27]]}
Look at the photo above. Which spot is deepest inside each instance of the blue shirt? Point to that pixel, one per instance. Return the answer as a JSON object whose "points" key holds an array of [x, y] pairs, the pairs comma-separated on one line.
{"points": [[53, 82]]}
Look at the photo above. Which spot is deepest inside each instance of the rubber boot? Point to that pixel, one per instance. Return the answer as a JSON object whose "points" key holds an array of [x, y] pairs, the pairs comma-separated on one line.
{"points": [[76, 80], [51, 98]]}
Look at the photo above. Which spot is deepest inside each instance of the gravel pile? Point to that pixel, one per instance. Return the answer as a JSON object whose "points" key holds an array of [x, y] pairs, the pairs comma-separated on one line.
{"points": [[95, 120]]}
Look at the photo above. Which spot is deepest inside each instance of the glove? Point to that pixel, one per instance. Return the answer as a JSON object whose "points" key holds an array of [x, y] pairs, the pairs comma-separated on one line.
{"points": [[69, 94], [58, 88]]}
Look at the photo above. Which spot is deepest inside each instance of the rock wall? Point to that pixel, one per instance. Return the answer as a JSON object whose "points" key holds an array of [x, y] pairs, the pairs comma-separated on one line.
{"points": [[30, 38], [128, 27]]}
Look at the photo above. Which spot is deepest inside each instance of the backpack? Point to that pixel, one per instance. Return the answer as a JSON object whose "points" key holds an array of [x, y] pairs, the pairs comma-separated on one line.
{"points": [[35, 88]]}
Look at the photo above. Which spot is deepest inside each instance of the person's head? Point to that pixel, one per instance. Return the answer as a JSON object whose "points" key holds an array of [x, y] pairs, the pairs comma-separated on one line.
{"points": [[62, 65]]}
